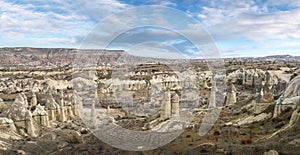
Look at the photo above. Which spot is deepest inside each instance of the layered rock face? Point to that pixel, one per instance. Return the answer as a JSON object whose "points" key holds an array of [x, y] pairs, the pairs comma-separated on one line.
{"points": [[54, 56]]}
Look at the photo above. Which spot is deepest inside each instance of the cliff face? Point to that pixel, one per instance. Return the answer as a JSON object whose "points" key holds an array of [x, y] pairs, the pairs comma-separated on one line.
{"points": [[52, 57]]}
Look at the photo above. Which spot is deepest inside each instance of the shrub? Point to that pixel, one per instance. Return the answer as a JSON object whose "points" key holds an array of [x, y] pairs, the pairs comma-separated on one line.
{"points": [[246, 141]]}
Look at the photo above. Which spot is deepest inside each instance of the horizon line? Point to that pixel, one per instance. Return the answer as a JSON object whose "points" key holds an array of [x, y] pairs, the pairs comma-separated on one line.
{"points": [[73, 48]]}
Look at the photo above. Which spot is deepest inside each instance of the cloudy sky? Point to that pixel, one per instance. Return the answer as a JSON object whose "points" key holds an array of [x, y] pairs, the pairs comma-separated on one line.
{"points": [[238, 27]]}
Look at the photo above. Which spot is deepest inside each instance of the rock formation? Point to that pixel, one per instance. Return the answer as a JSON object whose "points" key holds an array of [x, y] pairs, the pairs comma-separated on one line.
{"points": [[290, 98], [268, 78], [93, 109], [107, 110], [40, 115], [212, 99], [268, 93], [62, 107], [170, 105], [70, 107], [231, 95], [25, 98], [271, 152], [30, 129], [21, 116], [7, 124], [3, 107], [52, 108], [77, 103], [251, 77], [175, 105], [295, 116], [166, 106], [33, 101], [260, 96], [18, 109], [205, 86]]}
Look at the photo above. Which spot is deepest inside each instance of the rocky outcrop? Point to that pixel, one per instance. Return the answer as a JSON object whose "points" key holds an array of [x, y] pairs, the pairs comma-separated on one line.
{"points": [[253, 78], [26, 121], [7, 125], [253, 119], [18, 109], [21, 116], [290, 98], [65, 109], [40, 115]]}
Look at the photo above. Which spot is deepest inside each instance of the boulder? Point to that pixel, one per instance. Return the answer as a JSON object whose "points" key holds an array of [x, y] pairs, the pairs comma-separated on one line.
{"points": [[271, 152], [73, 137]]}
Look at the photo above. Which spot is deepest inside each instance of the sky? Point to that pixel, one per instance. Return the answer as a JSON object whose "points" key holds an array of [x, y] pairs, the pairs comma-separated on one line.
{"points": [[239, 28]]}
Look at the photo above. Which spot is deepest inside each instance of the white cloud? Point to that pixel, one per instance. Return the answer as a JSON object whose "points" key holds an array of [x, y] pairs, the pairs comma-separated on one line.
{"points": [[67, 22], [53, 20], [229, 20], [155, 50], [168, 3], [291, 3]]}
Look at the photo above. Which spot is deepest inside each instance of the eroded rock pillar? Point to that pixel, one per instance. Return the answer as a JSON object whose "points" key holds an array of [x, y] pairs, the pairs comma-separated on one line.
{"points": [[175, 105], [166, 106]]}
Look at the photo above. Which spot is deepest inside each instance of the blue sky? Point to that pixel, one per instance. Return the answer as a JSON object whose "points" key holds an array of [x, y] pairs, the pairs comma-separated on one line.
{"points": [[239, 28]]}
